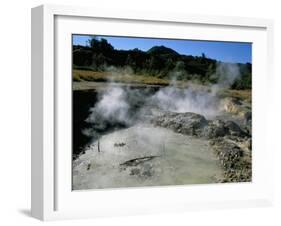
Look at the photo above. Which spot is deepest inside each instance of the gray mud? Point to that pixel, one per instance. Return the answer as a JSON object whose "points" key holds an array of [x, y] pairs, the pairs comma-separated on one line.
{"points": [[133, 158]]}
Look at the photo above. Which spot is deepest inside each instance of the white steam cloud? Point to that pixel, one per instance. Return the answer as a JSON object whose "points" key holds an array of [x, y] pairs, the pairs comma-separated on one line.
{"points": [[113, 105], [193, 99], [124, 105]]}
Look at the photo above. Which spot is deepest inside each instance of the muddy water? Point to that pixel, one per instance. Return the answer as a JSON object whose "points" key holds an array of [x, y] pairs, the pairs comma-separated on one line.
{"points": [[165, 158]]}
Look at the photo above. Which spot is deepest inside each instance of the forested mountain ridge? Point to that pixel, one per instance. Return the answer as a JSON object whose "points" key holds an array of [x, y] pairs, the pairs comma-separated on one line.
{"points": [[159, 61]]}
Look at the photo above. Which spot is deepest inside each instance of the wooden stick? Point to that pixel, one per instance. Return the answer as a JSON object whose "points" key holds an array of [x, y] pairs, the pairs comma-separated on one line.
{"points": [[98, 145]]}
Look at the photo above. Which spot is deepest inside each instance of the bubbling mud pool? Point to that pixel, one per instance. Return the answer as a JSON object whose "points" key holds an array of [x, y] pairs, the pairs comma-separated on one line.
{"points": [[143, 155]]}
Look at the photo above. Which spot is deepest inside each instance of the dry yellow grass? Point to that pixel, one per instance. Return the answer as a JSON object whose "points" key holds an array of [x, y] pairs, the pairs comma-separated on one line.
{"points": [[240, 94], [83, 75], [95, 76]]}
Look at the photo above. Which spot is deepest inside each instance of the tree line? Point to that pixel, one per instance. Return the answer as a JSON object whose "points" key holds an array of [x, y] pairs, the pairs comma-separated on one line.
{"points": [[158, 61]]}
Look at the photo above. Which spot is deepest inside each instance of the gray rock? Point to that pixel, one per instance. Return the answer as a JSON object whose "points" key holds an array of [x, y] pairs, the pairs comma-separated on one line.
{"points": [[219, 128], [216, 128], [233, 129], [248, 127], [196, 125], [247, 116], [186, 123]]}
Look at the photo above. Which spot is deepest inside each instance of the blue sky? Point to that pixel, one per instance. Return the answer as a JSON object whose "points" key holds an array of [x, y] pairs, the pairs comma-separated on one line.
{"points": [[236, 52]]}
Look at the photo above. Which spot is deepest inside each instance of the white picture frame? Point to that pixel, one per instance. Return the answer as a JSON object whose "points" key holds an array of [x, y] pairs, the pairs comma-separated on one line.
{"points": [[52, 197]]}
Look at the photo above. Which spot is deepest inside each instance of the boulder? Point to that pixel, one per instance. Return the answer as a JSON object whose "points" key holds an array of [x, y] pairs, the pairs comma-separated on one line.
{"points": [[215, 128], [248, 127], [234, 129], [196, 125], [219, 128], [186, 123], [247, 116]]}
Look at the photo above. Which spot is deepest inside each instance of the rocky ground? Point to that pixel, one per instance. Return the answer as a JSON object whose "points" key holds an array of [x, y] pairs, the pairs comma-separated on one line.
{"points": [[231, 141]]}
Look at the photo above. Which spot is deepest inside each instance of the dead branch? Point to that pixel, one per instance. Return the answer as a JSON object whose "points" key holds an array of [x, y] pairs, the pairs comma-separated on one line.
{"points": [[137, 161]]}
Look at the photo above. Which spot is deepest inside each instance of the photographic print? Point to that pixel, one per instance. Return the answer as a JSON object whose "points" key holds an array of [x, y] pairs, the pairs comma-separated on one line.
{"points": [[158, 112]]}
